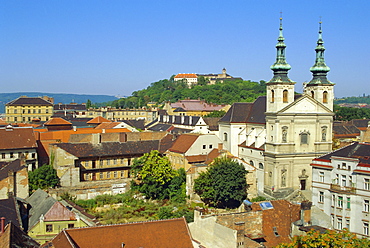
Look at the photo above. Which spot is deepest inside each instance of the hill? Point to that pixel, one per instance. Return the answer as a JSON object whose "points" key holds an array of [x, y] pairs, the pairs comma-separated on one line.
{"points": [[58, 98]]}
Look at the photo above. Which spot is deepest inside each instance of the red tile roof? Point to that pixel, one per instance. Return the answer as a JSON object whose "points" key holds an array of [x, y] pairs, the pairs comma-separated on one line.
{"points": [[196, 105], [186, 75], [57, 121], [58, 212], [98, 120], [184, 142], [17, 138], [162, 233], [106, 125]]}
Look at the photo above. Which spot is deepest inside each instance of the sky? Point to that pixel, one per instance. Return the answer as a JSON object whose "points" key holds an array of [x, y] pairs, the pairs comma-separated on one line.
{"points": [[117, 47]]}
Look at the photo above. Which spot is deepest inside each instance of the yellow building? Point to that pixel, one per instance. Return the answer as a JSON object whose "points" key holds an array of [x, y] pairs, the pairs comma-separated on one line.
{"points": [[27, 109]]}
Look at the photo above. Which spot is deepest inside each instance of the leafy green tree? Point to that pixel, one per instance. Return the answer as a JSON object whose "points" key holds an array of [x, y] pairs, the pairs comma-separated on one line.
{"points": [[223, 184], [329, 239], [88, 104], [43, 177]]}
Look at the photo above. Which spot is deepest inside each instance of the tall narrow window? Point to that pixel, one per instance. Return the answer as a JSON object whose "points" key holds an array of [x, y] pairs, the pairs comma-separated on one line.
{"points": [[285, 96], [321, 196], [225, 136], [304, 138], [313, 94], [325, 97], [272, 96]]}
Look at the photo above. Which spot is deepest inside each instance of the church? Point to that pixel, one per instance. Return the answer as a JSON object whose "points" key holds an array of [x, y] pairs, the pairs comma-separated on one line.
{"points": [[280, 133]]}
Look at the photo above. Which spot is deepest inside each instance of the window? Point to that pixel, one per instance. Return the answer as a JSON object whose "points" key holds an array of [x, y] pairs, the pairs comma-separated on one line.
{"points": [[321, 196], [333, 200], [340, 201], [33, 155], [101, 175], [19, 154], [366, 228], [304, 138], [108, 174], [225, 136], [336, 180], [312, 94], [344, 181], [260, 165], [366, 205], [321, 176], [108, 161], [366, 183], [114, 161], [100, 163], [204, 146], [325, 97], [11, 155], [348, 222], [71, 225], [2, 155], [251, 162], [348, 202], [339, 223], [49, 228], [272, 96], [115, 174], [275, 231], [210, 146], [285, 96]]}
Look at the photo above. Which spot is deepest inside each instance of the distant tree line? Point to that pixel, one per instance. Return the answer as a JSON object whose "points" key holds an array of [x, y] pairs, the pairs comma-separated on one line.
{"points": [[347, 114], [354, 99], [228, 92]]}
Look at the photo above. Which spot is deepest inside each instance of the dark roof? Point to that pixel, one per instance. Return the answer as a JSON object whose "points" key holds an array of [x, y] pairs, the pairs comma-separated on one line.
{"points": [[106, 149], [356, 150], [212, 123], [160, 127], [29, 101], [361, 123], [13, 236], [176, 119], [17, 138], [345, 129], [320, 229], [63, 107], [159, 233], [138, 124], [246, 112], [177, 130], [9, 210], [14, 166]]}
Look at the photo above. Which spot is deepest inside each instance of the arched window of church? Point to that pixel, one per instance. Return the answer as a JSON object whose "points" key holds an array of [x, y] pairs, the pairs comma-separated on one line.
{"points": [[313, 94], [272, 96], [225, 136], [285, 96], [260, 165], [251, 162], [325, 97]]}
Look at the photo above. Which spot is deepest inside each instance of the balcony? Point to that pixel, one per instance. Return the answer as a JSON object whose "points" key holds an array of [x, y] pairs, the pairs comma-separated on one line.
{"points": [[342, 189]]}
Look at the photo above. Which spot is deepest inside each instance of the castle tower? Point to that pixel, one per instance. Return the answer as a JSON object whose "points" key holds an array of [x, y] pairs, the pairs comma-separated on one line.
{"points": [[280, 89], [320, 88]]}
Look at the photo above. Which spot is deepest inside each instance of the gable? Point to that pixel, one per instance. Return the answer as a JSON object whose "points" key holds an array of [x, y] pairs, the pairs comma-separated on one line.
{"points": [[305, 105]]}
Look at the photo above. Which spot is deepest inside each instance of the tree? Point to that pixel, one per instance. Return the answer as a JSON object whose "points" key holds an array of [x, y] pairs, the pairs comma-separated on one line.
{"points": [[154, 174], [88, 104], [223, 184], [329, 239], [43, 177]]}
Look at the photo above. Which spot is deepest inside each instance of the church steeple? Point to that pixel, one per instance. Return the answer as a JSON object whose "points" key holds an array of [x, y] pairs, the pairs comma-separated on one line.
{"points": [[280, 67], [319, 69], [280, 89]]}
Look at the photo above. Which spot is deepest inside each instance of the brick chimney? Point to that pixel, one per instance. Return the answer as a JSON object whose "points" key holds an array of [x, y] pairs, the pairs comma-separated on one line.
{"points": [[2, 225], [306, 212]]}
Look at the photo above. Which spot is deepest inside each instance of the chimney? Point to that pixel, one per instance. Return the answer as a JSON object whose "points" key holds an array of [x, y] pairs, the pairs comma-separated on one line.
{"points": [[2, 224], [11, 183], [306, 212], [220, 146]]}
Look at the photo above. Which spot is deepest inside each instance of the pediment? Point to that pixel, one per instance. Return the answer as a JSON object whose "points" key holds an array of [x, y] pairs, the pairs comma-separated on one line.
{"points": [[305, 105]]}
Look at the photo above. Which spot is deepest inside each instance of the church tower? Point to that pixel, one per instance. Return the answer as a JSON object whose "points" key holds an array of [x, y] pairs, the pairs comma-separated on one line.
{"points": [[280, 89], [320, 88]]}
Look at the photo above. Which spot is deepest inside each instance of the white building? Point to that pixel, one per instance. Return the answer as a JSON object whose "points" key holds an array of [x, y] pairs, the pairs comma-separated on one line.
{"points": [[341, 187]]}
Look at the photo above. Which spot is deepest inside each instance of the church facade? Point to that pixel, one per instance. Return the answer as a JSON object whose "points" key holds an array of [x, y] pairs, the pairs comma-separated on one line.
{"points": [[297, 128]]}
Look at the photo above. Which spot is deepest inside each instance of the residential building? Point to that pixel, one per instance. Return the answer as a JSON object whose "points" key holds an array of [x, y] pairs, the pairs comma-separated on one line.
{"points": [[191, 107], [13, 179], [159, 233], [12, 236], [189, 78], [341, 187], [17, 143], [27, 109], [48, 217], [213, 78]]}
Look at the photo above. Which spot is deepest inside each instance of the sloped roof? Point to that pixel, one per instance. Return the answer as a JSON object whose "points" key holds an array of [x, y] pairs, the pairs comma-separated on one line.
{"points": [[13, 236], [85, 150], [186, 75], [184, 142], [29, 101], [212, 123], [160, 233], [356, 150], [138, 124], [361, 124], [60, 106], [160, 127], [98, 120], [40, 203], [58, 212], [57, 121], [14, 166], [196, 105], [345, 129], [9, 210], [17, 138], [246, 112], [2, 122], [105, 125]]}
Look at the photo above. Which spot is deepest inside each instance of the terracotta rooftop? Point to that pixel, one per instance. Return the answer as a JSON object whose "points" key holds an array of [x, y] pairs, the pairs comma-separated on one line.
{"points": [[58, 212], [184, 142], [195, 105], [106, 125], [186, 75], [56, 121], [162, 233], [98, 120], [17, 138]]}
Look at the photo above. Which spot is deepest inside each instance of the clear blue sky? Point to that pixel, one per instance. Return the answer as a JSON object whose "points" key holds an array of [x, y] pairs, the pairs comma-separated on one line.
{"points": [[116, 47]]}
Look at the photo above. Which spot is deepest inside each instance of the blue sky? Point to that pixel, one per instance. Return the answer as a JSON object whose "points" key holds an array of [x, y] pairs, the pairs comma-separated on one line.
{"points": [[116, 47]]}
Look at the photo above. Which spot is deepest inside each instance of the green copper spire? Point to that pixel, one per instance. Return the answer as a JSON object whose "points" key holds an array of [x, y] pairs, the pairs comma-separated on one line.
{"points": [[319, 69], [280, 67]]}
